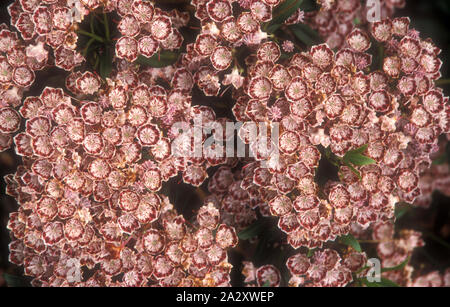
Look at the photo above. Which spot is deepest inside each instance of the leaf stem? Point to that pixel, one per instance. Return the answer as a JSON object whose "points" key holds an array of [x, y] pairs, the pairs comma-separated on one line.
{"points": [[106, 27], [97, 61], [92, 35], [92, 23], [89, 43], [442, 82], [369, 241], [381, 53]]}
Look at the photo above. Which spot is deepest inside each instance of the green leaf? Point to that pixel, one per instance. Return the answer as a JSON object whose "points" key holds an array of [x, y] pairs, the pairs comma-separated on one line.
{"points": [[260, 254], [384, 282], [359, 150], [285, 56], [273, 28], [356, 157], [305, 34], [15, 281], [350, 240], [87, 46], [397, 267], [309, 5], [266, 284], [401, 210], [359, 160], [252, 231], [159, 60], [310, 252], [354, 170], [282, 12], [106, 64]]}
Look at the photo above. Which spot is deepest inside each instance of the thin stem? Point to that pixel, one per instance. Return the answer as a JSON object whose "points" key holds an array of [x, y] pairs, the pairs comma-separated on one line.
{"points": [[442, 82], [224, 91], [92, 35], [332, 158], [87, 46], [381, 53], [106, 27], [97, 61], [92, 23], [369, 241], [99, 19], [362, 269]]}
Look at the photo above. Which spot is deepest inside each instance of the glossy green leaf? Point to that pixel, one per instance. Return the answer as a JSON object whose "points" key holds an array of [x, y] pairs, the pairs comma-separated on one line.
{"points": [[310, 252], [309, 5], [260, 254], [301, 35], [305, 34], [87, 46], [273, 28], [356, 157], [397, 267], [252, 231], [106, 64], [360, 160], [384, 283], [282, 12], [159, 60], [359, 150], [401, 210], [350, 240]]}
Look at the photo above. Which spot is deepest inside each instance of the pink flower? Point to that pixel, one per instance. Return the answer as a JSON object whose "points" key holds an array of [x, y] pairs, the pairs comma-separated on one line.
{"points": [[288, 46]]}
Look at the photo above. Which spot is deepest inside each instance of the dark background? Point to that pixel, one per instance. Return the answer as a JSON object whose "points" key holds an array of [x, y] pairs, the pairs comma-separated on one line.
{"points": [[432, 19]]}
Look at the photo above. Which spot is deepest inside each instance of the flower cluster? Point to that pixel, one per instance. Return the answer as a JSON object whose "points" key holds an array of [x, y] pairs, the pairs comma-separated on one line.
{"points": [[236, 203], [55, 24], [86, 191], [51, 25], [148, 245], [336, 18], [146, 30], [325, 268], [18, 63], [436, 178], [214, 49], [322, 99], [432, 279], [267, 275], [394, 251]]}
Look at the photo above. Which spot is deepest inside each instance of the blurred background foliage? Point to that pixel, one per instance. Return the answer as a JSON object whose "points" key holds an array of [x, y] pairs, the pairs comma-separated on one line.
{"points": [[432, 19]]}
